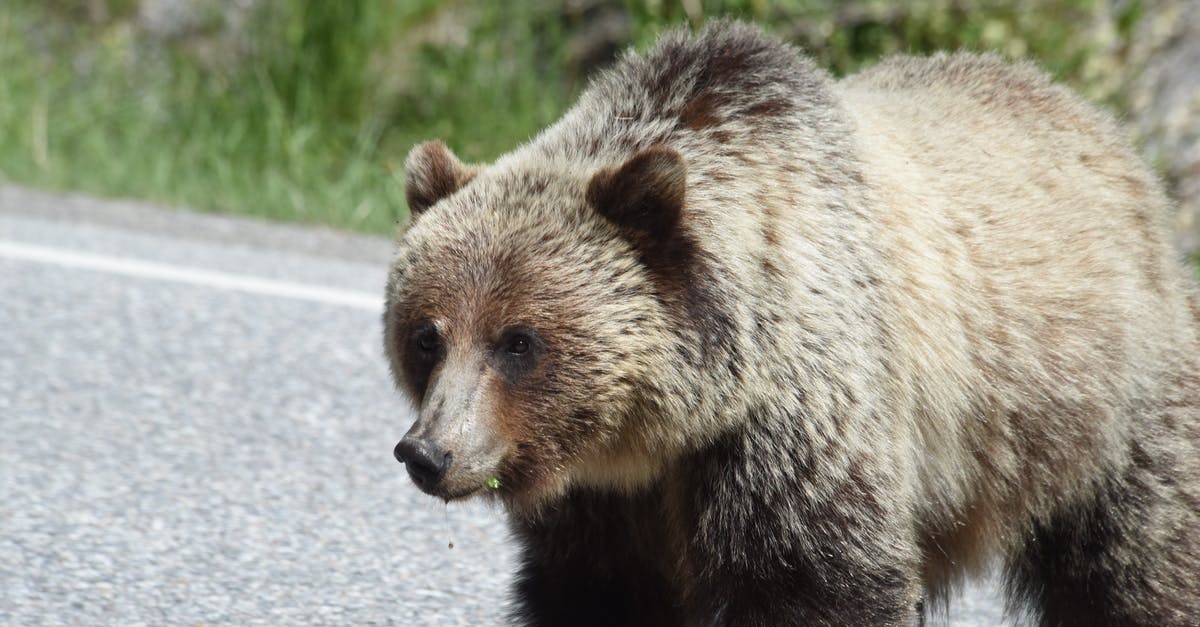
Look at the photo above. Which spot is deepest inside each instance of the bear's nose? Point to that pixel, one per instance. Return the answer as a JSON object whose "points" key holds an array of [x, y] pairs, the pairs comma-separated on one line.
{"points": [[426, 462]]}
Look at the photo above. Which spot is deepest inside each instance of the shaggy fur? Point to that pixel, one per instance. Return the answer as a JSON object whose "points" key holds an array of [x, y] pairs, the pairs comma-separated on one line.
{"points": [[806, 352]]}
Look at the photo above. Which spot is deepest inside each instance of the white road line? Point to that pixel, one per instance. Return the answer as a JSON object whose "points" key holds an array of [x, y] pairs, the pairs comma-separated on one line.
{"points": [[192, 276]]}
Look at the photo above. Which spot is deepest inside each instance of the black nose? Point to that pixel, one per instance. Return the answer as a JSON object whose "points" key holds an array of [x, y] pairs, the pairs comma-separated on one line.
{"points": [[426, 461]]}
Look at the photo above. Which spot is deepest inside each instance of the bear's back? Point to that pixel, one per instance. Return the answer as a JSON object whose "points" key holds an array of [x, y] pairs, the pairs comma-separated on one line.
{"points": [[1036, 300]]}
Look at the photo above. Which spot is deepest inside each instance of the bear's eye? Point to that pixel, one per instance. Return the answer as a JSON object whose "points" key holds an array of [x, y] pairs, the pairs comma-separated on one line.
{"points": [[518, 344], [517, 352], [425, 338], [421, 351]]}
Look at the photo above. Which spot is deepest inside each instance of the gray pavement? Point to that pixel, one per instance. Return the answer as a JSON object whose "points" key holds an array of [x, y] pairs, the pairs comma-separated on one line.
{"points": [[183, 450]]}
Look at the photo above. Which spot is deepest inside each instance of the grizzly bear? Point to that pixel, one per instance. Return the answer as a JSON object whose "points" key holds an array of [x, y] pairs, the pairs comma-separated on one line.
{"points": [[738, 344]]}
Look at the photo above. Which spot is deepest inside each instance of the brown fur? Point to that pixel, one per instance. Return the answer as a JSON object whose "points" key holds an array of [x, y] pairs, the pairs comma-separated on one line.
{"points": [[807, 352]]}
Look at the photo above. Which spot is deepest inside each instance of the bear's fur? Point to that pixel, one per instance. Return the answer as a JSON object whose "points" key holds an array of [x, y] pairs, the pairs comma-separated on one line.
{"points": [[744, 345]]}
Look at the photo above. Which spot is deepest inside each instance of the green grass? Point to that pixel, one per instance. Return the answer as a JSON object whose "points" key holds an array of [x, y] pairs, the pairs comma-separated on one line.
{"points": [[169, 132], [301, 131], [313, 123]]}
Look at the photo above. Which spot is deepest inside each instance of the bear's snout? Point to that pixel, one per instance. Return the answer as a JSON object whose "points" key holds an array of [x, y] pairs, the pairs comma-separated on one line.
{"points": [[426, 462]]}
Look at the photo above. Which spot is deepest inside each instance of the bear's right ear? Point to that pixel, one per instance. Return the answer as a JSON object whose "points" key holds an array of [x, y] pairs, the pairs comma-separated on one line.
{"points": [[644, 196], [431, 173]]}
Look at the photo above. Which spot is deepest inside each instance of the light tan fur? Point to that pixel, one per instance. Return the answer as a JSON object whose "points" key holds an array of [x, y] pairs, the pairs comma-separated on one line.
{"points": [[1037, 303], [844, 343]]}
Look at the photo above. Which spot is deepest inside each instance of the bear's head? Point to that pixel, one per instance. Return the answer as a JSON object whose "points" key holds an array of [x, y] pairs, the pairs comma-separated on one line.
{"points": [[529, 321]]}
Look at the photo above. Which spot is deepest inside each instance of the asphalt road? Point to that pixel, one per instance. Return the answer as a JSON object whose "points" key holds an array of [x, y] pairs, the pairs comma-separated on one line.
{"points": [[196, 427]]}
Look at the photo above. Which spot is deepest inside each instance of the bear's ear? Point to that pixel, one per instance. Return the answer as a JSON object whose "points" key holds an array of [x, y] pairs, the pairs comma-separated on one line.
{"points": [[431, 173], [644, 196]]}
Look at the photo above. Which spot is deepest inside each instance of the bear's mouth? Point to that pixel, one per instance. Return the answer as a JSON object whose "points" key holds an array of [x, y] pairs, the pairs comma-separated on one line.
{"points": [[459, 488], [442, 473], [461, 495]]}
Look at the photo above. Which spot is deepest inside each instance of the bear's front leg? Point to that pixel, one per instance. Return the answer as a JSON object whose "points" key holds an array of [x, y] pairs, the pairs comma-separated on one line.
{"points": [[799, 539], [595, 559], [808, 590]]}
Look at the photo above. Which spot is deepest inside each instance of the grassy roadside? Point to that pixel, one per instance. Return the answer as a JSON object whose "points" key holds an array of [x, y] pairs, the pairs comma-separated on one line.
{"points": [[95, 119], [298, 130], [309, 116]]}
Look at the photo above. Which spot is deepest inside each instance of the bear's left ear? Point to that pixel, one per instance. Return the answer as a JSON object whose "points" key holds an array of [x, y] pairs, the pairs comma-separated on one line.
{"points": [[644, 197], [432, 172]]}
